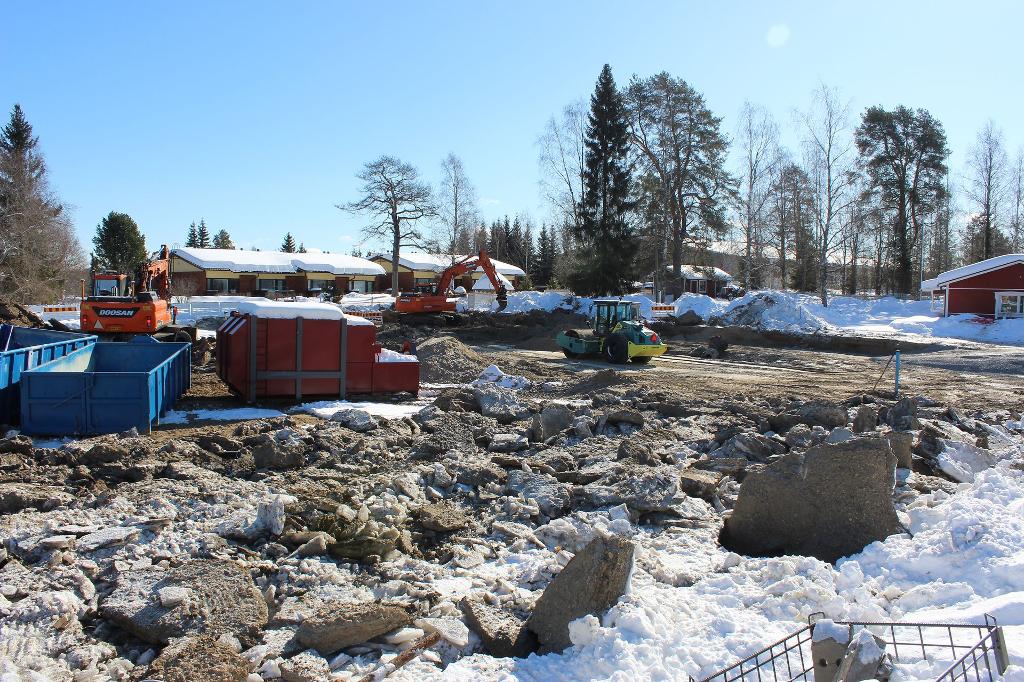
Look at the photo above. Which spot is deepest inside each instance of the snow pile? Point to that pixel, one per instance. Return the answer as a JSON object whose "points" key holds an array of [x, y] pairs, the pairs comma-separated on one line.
{"points": [[493, 375], [704, 306], [230, 414], [367, 302], [525, 301], [388, 355], [772, 310]]}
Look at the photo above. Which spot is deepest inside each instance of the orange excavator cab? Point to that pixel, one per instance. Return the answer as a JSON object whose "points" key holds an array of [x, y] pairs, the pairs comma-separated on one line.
{"points": [[436, 300]]}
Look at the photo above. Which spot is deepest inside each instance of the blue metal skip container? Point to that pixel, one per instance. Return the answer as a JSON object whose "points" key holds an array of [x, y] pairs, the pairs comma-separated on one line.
{"points": [[21, 349], [105, 388]]}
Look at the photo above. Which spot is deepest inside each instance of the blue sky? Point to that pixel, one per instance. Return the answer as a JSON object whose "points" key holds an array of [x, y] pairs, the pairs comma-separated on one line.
{"points": [[256, 116]]}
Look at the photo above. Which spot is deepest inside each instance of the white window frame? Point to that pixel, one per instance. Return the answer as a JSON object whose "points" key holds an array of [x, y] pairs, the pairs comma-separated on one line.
{"points": [[702, 286], [1018, 307], [278, 285]]}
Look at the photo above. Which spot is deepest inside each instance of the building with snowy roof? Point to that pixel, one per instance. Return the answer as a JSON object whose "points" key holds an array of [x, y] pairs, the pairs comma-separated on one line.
{"points": [[417, 270], [696, 279], [274, 273], [993, 288]]}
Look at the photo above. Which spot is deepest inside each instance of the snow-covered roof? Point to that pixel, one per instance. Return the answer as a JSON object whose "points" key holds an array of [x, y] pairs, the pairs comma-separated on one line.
{"points": [[265, 308], [702, 272], [971, 270], [238, 260], [484, 283], [436, 262]]}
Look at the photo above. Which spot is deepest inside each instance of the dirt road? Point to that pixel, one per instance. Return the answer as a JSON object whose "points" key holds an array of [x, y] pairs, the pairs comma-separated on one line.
{"points": [[974, 379]]}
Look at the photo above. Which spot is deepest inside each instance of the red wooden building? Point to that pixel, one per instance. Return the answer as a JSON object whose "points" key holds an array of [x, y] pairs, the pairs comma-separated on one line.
{"points": [[992, 287]]}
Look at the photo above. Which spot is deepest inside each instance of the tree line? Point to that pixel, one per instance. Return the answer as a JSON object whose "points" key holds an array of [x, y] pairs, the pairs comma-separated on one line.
{"points": [[640, 182]]}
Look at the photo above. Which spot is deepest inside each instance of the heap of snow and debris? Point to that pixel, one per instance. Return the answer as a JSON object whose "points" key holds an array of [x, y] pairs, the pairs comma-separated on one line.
{"points": [[509, 528]]}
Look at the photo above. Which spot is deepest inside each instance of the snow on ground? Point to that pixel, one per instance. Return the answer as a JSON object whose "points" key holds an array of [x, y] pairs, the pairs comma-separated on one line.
{"points": [[694, 608], [326, 408], [227, 414], [794, 312], [367, 302]]}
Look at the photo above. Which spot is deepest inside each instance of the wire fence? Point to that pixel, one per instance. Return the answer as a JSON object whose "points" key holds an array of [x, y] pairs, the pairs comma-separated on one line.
{"points": [[971, 651]]}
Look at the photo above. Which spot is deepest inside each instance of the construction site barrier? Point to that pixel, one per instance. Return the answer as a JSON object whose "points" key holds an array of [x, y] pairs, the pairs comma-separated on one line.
{"points": [[60, 308], [375, 316], [662, 310]]}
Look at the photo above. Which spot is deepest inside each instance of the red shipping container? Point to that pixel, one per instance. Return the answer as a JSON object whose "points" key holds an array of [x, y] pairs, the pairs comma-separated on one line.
{"points": [[304, 350]]}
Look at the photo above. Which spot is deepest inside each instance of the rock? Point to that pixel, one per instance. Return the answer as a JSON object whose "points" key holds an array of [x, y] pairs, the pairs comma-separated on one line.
{"points": [[653, 489], [828, 502], [903, 415], [339, 625], [106, 451], [902, 443], [590, 583], [582, 427], [839, 435], [222, 599], [799, 436], [451, 630], [270, 453], [551, 421], [107, 537], [637, 451], [552, 497], [20, 445], [476, 472], [625, 416], [697, 483], [17, 496], [500, 403], [866, 419], [173, 596], [309, 666], [198, 658], [442, 518], [502, 633], [688, 318], [754, 446], [508, 442], [355, 419], [218, 444], [813, 413], [864, 655]]}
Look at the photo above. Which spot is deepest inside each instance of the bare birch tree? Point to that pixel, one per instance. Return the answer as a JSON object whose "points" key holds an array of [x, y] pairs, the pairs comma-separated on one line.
{"points": [[1017, 202], [456, 206], [561, 161], [395, 198], [828, 145], [986, 186], [758, 137]]}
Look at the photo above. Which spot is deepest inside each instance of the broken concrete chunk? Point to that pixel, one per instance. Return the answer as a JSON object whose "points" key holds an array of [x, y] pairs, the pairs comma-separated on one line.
{"points": [[107, 537], [828, 502], [625, 416], [222, 599], [338, 625], [309, 666], [198, 658], [502, 633], [551, 421], [590, 583], [442, 518], [552, 497], [866, 419], [17, 496], [813, 413], [902, 443], [355, 419]]}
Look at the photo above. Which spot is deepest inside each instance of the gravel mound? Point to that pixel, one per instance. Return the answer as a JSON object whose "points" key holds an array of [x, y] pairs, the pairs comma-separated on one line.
{"points": [[446, 360]]}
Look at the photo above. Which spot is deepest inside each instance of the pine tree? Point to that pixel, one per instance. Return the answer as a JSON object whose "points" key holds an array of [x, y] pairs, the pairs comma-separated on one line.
{"points": [[119, 244], [288, 245], [222, 240], [608, 243], [203, 236], [302, 248], [192, 241]]}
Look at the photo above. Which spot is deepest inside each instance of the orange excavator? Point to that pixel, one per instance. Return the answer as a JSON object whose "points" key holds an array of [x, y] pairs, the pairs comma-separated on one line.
{"points": [[436, 299], [118, 307]]}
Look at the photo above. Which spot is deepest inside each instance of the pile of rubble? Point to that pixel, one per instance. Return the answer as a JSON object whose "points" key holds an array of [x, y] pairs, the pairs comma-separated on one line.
{"points": [[489, 522]]}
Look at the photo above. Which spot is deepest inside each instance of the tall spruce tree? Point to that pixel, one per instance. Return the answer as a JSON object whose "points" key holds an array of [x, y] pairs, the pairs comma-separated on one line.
{"points": [[288, 245], [203, 235], [119, 244], [192, 241], [607, 242]]}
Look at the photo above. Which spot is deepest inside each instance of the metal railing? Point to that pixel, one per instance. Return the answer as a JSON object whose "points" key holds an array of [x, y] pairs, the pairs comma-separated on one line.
{"points": [[976, 651]]}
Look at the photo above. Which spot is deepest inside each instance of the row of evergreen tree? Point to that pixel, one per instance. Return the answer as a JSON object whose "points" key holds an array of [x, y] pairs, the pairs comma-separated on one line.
{"points": [[199, 238]]}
